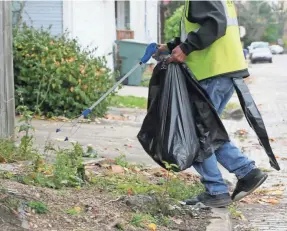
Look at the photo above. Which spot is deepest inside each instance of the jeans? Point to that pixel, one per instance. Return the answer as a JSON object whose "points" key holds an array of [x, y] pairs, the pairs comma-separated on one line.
{"points": [[220, 90]]}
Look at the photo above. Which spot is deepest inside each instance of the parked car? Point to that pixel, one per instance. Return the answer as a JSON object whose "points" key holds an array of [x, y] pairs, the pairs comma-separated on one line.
{"points": [[261, 54], [276, 49], [254, 45]]}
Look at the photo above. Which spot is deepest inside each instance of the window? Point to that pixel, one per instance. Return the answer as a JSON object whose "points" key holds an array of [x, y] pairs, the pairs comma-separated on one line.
{"points": [[16, 8], [122, 12]]}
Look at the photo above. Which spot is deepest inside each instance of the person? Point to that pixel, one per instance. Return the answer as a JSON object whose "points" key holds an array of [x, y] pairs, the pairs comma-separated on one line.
{"points": [[210, 45]]}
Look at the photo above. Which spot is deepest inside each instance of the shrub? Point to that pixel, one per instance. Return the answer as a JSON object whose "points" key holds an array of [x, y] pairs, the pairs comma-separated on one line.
{"points": [[55, 76], [172, 25]]}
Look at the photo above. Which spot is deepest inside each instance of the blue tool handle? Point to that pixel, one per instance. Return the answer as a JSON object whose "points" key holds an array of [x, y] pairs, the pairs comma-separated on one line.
{"points": [[150, 50], [86, 112]]}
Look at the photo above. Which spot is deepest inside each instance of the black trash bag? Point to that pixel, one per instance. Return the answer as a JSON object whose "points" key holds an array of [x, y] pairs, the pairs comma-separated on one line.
{"points": [[181, 125], [254, 119]]}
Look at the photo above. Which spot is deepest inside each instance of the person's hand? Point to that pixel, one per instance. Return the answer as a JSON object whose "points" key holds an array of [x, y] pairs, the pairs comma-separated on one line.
{"points": [[161, 49], [177, 55]]}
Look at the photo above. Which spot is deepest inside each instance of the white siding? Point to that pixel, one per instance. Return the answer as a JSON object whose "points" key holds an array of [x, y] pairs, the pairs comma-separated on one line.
{"points": [[43, 14], [145, 26], [93, 22]]}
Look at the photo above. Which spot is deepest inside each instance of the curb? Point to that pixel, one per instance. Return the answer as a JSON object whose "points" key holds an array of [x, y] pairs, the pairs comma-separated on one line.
{"points": [[220, 220]]}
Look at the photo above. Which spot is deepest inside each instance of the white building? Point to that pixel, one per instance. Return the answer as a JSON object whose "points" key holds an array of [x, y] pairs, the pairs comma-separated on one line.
{"points": [[95, 22]]}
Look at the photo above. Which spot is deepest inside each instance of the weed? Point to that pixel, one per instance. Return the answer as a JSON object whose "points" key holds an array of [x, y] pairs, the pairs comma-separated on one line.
{"points": [[142, 220], [235, 213], [122, 161], [179, 189], [38, 206], [67, 170], [9, 151], [91, 153], [74, 211], [120, 227]]}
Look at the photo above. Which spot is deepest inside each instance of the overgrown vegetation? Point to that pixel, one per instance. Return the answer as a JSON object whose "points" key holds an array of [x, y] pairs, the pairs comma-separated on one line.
{"points": [[9, 151], [55, 76], [171, 26], [67, 170]]}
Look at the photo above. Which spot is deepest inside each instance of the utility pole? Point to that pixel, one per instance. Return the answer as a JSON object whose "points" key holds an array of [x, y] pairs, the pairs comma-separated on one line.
{"points": [[7, 101]]}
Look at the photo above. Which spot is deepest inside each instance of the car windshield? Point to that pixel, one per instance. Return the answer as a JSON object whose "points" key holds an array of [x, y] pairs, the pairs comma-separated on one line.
{"points": [[261, 45]]}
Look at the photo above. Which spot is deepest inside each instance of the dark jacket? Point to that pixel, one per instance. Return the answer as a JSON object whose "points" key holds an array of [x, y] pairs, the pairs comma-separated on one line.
{"points": [[210, 15]]}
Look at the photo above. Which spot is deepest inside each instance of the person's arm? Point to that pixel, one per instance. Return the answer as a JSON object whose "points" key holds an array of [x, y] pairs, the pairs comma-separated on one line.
{"points": [[210, 15]]}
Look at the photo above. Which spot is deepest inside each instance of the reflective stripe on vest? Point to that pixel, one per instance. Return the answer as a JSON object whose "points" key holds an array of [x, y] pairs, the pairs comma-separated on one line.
{"points": [[223, 56]]}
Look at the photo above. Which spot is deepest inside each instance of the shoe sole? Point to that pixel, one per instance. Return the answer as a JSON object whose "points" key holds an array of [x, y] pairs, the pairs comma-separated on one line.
{"points": [[219, 205], [215, 204], [243, 194]]}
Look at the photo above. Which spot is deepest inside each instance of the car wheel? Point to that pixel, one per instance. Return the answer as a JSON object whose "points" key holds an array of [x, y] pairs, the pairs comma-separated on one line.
{"points": [[253, 61], [270, 61]]}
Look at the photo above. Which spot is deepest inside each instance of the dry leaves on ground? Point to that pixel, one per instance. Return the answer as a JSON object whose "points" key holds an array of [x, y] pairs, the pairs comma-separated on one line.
{"points": [[265, 196]]}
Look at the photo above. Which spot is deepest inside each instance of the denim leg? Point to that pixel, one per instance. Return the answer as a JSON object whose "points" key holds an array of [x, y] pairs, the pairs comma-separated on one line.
{"points": [[229, 156]]}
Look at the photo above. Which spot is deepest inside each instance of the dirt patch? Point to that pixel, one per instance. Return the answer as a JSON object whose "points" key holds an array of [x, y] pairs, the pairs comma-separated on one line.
{"points": [[94, 210], [101, 203]]}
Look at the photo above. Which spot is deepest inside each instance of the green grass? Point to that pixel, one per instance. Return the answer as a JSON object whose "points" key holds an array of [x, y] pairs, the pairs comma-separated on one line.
{"points": [[176, 188], [38, 206], [230, 106], [142, 220], [129, 102], [145, 79]]}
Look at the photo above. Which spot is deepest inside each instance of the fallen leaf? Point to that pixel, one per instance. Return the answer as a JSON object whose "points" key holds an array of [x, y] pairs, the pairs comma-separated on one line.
{"points": [[271, 140], [277, 193], [130, 192], [78, 209], [152, 227], [117, 169], [273, 201], [277, 157]]}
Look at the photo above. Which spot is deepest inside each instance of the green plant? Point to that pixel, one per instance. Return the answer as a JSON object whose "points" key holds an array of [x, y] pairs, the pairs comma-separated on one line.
{"points": [[142, 220], [68, 170], [38, 206], [56, 75], [171, 27], [235, 213], [8, 151], [122, 161], [74, 211]]}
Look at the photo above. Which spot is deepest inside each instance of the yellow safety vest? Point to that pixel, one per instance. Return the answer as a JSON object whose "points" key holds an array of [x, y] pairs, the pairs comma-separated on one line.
{"points": [[225, 55]]}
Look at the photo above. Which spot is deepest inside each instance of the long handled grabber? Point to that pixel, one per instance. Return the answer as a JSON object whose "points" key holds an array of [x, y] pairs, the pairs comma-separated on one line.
{"points": [[150, 50]]}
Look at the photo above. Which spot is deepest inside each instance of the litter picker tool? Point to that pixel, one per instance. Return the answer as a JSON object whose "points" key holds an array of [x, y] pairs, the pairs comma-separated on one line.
{"points": [[150, 50]]}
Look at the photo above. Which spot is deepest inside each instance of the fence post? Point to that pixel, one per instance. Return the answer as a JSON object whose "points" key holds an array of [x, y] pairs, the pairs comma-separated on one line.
{"points": [[7, 101]]}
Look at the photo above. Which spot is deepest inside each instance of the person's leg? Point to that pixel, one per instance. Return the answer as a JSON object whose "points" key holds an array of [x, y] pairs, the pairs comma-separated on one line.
{"points": [[217, 193], [220, 91], [229, 156]]}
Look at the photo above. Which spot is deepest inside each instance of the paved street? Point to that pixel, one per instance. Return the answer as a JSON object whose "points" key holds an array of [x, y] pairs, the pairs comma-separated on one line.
{"points": [[268, 87]]}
